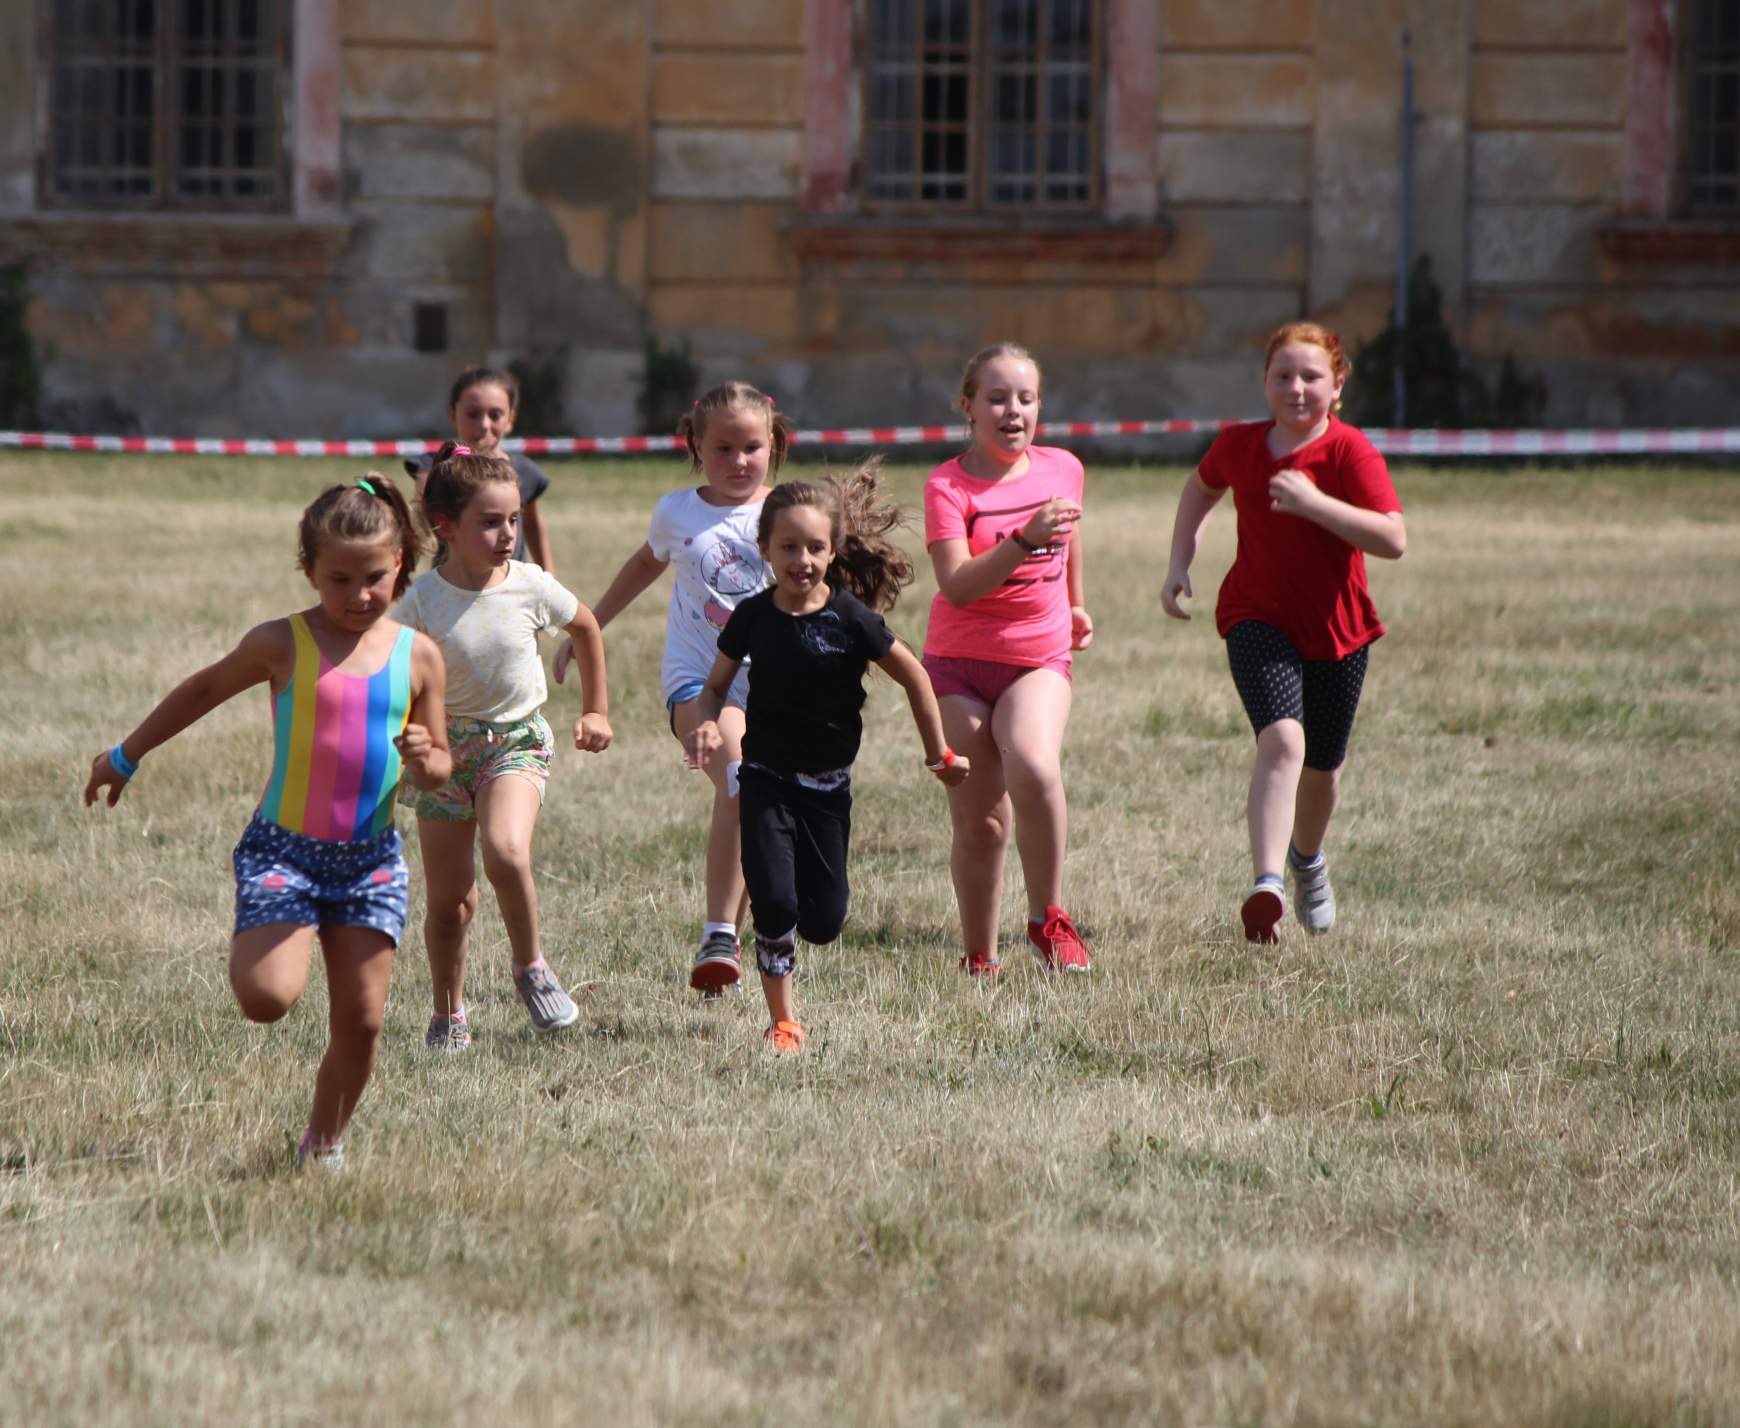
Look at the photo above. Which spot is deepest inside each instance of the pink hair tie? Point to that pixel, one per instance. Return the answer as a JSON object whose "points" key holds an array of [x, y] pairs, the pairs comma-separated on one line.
{"points": [[460, 451]]}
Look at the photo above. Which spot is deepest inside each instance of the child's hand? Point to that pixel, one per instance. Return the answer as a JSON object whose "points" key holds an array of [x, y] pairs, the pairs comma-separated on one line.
{"points": [[104, 775], [1054, 516], [1177, 583], [592, 733], [701, 743], [1291, 491], [956, 773], [415, 748], [564, 658], [1081, 627]]}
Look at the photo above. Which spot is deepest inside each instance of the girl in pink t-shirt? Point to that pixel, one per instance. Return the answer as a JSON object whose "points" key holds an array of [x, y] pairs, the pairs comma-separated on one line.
{"points": [[1313, 499], [1000, 525]]}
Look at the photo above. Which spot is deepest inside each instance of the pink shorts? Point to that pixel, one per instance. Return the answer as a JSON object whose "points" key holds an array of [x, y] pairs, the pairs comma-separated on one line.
{"points": [[983, 680]]}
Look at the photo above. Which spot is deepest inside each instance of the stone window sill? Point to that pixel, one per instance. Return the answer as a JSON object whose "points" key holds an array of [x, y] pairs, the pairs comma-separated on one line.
{"points": [[181, 245], [1665, 241], [1088, 246]]}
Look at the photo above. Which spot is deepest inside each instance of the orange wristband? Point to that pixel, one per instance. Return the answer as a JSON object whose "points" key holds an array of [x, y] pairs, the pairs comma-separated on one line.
{"points": [[947, 761]]}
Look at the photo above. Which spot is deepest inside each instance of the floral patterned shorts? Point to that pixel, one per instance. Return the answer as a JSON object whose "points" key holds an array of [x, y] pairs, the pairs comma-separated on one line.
{"points": [[482, 753]]}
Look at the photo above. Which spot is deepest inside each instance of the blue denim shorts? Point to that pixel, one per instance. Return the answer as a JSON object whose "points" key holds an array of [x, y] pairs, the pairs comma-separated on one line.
{"points": [[691, 689], [314, 882]]}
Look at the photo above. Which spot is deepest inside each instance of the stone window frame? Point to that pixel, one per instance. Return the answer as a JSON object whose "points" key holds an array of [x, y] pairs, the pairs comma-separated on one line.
{"points": [[1653, 225], [305, 240], [170, 58], [1125, 225]]}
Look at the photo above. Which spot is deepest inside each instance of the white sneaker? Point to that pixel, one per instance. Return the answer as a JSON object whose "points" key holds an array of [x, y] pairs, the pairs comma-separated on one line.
{"points": [[1313, 898]]}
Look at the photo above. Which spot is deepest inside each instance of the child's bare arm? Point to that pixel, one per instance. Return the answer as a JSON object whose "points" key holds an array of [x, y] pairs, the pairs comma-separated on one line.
{"points": [[964, 577], [1379, 533], [638, 572], [423, 745], [592, 733], [705, 737], [263, 654], [537, 534], [1195, 502], [903, 667]]}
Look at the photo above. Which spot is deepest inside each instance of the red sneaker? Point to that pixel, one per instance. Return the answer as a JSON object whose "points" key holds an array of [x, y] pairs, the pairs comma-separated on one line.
{"points": [[981, 964], [784, 1038], [1261, 913], [1057, 944]]}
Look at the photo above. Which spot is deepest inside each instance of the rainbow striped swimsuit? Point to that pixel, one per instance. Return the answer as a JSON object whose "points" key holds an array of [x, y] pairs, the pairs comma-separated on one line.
{"points": [[335, 768]]}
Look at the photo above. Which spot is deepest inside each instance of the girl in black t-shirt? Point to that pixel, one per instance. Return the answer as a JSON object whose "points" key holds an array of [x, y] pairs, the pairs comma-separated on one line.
{"points": [[808, 641]]}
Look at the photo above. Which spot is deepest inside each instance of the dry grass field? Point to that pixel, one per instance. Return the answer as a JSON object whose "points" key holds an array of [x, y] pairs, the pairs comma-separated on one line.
{"points": [[1474, 1158]]}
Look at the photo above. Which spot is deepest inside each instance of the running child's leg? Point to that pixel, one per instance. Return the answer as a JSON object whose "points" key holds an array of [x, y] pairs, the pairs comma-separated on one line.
{"points": [[1330, 691], [719, 959], [450, 889], [359, 963], [1270, 806], [770, 871], [1319, 792], [725, 889], [979, 815], [1268, 673], [269, 968], [821, 849], [1028, 724], [507, 815]]}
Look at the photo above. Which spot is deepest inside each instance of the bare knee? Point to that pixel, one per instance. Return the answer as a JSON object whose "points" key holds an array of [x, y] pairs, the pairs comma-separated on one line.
{"points": [[451, 915], [1029, 777], [1283, 743], [258, 1003], [984, 833], [358, 1028], [507, 857]]}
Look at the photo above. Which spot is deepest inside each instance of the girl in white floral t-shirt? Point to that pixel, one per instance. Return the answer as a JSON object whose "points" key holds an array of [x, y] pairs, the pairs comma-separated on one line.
{"points": [[484, 609]]}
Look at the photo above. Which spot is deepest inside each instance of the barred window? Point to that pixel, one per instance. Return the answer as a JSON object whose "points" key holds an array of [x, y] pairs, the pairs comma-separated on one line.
{"points": [[177, 104], [975, 104], [1713, 93]]}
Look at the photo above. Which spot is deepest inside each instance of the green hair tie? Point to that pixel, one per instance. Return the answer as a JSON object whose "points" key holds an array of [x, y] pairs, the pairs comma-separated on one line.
{"points": [[363, 482]]}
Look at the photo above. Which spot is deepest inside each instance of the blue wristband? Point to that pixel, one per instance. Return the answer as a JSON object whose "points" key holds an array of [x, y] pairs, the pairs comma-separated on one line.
{"points": [[123, 765]]}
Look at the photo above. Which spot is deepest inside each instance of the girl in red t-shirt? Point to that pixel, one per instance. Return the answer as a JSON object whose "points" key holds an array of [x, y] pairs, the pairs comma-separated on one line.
{"points": [[1313, 498], [1000, 525]]}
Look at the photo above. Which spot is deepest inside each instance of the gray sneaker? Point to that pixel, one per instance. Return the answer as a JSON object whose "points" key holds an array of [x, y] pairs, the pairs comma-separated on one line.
{"points": [[448, 1034], [550, 1006], [1313, 898], [718, 964]]}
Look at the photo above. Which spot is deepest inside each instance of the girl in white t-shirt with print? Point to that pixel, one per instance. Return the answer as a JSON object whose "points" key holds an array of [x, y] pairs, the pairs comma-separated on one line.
{"points": [[708, 534]]}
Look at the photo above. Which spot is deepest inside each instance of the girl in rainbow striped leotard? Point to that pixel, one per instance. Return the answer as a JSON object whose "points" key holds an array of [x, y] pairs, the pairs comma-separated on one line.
{"points": [[357, 703]]}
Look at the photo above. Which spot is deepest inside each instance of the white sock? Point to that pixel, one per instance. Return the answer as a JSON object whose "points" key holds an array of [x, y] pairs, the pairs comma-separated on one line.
{"points": [[709, 928]]}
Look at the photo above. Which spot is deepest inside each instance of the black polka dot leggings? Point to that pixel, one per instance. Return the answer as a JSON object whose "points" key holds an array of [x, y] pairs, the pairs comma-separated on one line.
{"points": [[1274, 683]]}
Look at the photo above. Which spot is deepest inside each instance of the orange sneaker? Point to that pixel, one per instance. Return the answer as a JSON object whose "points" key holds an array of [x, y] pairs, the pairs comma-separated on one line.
{"points": [[981, 964], [784, 1038], [1057, 944]]}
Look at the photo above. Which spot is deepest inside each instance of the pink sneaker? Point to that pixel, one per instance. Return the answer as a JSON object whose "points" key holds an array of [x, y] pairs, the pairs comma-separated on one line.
{"points": [[1057, 944]]}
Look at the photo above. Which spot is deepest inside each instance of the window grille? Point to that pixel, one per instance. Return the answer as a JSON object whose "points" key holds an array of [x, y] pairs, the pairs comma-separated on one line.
{"points": [[167, 103], [1713, 92], [976, 104]]}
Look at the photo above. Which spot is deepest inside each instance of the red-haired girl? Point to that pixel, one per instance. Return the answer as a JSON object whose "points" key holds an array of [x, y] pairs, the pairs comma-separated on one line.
{"points": [[1313, 498]]}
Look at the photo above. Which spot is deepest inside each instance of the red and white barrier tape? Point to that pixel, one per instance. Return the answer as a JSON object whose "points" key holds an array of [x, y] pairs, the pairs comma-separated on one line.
{"points": [[1390, 441]]}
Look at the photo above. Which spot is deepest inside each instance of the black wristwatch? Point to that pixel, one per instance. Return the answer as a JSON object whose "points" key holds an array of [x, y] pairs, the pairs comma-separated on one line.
{"points": [[1024, 543]]}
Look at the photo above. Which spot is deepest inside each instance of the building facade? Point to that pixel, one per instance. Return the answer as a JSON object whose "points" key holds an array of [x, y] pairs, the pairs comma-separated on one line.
{"points": [[300, 217]]}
